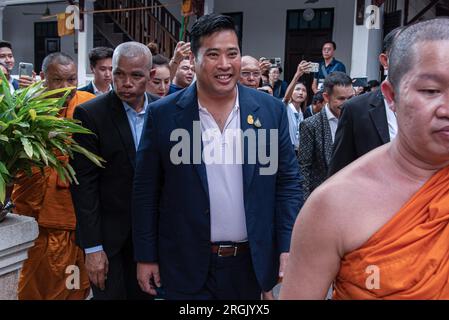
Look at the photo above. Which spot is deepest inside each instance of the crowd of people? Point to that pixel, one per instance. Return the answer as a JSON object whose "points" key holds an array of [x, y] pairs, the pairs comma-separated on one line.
{"points": [[362, 170]]}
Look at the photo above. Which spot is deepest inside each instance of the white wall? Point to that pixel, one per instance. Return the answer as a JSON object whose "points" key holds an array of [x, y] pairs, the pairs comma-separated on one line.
{"points": [[366, 48], [19, 30], [264, 24]]}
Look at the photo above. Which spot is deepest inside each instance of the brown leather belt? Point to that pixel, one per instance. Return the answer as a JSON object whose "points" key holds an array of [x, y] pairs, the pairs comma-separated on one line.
{"points": [[230, 250]]}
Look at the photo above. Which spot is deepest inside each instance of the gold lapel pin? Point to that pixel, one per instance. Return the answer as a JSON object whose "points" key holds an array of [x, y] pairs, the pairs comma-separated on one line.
{"points": [[250, 120]]}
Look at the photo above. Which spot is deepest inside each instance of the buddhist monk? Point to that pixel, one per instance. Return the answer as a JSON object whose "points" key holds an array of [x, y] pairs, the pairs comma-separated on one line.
{"points": [[55, 265], [379, 229]]}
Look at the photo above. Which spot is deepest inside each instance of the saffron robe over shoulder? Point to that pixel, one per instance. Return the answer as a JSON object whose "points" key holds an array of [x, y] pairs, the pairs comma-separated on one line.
{"points": [[408, 258]]}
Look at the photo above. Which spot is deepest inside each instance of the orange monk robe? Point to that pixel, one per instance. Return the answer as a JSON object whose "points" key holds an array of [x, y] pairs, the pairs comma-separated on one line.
{"points": [[408, 258], [51, 270]]}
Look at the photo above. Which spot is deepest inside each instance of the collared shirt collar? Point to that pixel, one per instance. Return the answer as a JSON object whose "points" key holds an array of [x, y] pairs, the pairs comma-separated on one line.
{"points": [[128, 108], [236, 106], [333, 62], [329, 114], [96, 91]]}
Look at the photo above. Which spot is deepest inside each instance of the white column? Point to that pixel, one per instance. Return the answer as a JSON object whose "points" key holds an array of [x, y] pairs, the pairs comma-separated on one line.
{"points": [[2, 7], [85, 43], [209, 6], [367, 44]]}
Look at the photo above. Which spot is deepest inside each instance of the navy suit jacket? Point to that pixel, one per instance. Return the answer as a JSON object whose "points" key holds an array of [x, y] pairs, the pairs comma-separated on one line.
{"points": [[171, 210], [88, 88]]}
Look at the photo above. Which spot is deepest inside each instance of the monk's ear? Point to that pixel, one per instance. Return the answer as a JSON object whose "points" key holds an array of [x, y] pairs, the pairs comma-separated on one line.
{"points": [[389, 93]]}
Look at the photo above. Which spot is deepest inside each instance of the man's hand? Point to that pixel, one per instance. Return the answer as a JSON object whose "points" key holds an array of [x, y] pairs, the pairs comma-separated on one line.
{"points": [[97, 266], [148, 277], [25, 81], [264, 65], [283, 259], [182, 50]]}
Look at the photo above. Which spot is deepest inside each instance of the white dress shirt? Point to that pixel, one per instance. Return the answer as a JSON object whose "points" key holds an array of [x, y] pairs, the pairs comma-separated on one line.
{"points": [[294, 119], [392, 121], [333, 122], [222, 156], [98, 92]]}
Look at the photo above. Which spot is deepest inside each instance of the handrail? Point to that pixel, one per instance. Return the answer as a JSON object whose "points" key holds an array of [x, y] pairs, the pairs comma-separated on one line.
{"points": [[156, 24]]}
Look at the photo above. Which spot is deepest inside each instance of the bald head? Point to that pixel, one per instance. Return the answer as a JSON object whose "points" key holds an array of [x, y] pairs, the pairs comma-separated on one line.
{"points": [[59, 71], [410, 41], [250, 72]]}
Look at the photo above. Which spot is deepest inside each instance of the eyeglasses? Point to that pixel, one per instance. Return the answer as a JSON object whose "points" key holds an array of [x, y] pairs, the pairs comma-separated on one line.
{"points": [[247, 74]]}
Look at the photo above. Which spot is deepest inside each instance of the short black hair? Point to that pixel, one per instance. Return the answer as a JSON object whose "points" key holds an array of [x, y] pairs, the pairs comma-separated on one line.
{"points": [[160, 60], [207, 25], [373, 83], [336, 78], [389, 39], [333, 43], [99, 53], [276, 67], [318, 97], [5, 44]]}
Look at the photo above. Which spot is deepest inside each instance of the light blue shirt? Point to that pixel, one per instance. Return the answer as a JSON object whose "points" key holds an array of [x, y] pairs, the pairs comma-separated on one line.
{"points": [[136, 121]]}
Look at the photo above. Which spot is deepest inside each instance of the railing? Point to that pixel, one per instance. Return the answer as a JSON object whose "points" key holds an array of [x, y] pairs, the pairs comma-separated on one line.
{"points": [[391, 6], [156, 24]]}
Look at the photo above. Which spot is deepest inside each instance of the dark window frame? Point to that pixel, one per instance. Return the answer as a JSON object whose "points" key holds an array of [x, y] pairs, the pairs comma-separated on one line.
{"points": [[300, 13]]}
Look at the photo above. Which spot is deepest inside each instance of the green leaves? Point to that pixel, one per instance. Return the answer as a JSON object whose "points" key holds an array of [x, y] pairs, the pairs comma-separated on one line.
{"points": [[27, 147], [33, 135]]}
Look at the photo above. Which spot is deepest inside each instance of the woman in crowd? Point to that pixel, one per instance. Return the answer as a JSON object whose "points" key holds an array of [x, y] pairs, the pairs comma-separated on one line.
{"points": [[279, 86], [296, 101], [159, 84]]}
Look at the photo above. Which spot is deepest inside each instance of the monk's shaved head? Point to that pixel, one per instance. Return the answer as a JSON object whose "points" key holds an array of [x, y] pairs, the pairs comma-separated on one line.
{"points": [[409, 41]]}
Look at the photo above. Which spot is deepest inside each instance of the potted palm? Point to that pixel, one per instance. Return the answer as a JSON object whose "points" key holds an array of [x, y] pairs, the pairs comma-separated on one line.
{"points": [[32, 135]]}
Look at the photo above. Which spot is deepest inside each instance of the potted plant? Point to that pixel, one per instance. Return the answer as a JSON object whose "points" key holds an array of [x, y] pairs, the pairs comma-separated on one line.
{"points": [[32, 135]]}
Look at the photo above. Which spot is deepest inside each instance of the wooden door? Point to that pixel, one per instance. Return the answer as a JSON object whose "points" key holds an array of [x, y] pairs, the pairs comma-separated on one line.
{"points": [[305, 39]]}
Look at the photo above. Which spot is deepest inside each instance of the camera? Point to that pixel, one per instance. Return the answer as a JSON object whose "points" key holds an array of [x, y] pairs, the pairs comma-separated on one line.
{"points": [[275, 62]]}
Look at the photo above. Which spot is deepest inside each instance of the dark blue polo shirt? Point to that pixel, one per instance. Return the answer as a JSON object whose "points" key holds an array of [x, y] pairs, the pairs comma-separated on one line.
{"points": [[335, 65], [173, 88]]}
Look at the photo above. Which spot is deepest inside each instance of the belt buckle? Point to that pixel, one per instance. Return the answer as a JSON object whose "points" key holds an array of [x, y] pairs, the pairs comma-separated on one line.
{"points": [[226, 246]]}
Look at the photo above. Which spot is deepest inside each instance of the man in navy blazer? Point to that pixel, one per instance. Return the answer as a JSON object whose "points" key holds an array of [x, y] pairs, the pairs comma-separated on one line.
{"points": [[100, 59], [206, 227]]}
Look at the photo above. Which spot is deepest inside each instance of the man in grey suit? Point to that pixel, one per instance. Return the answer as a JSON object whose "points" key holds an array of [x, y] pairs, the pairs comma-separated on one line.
{"points": [[318, 132]]}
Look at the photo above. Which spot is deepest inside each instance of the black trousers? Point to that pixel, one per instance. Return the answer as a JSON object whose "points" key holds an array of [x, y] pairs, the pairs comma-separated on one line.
{"points": [[229, 278], [121, 283]]}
